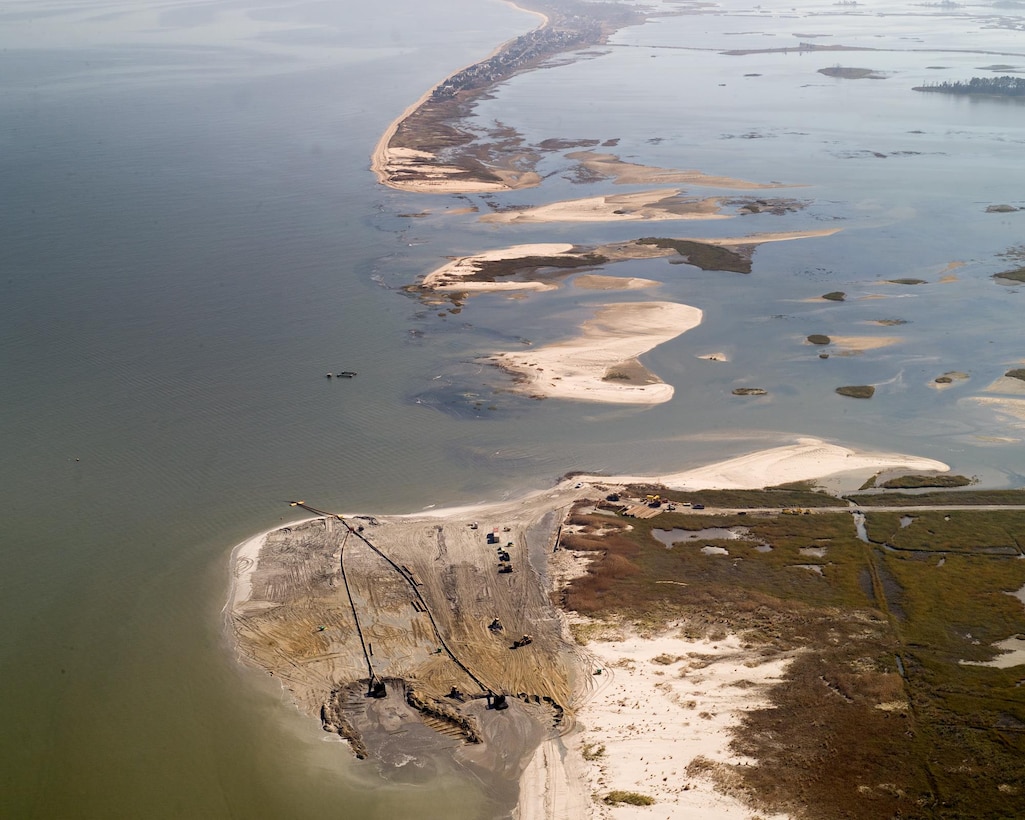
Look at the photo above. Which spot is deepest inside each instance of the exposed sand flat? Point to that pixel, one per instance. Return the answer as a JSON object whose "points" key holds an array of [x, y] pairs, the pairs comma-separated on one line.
{"points": [[655, 718], [761, 238], [454, 275], [1007, 384], [595, 281], [859, 344], [643, 206], [1010, 408], [629, 173], [809, 458], [600, 364]]}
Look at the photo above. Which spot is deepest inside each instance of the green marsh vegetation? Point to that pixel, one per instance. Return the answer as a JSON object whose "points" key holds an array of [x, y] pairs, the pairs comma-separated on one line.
{"points": [[917, 482], [877, 716]]}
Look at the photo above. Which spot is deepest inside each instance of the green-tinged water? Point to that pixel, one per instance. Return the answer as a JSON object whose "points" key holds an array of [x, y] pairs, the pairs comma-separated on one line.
{"points": [[190, 238]]}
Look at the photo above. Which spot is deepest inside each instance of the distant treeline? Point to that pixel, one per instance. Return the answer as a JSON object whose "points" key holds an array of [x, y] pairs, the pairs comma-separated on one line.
{"points": [[998, 86]]}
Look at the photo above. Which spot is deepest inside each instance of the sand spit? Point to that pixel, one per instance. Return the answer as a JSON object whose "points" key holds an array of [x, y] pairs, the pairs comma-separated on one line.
{"points": [[1009, 385], [421, 171], [600, 364], [808, 459], [642, 206], [629, 173], [291, 616]]}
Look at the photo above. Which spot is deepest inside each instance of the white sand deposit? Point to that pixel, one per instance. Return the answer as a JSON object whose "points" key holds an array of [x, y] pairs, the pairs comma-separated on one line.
{"points": [[595, 281], [600, 363], [665, 704], [807, 459]]}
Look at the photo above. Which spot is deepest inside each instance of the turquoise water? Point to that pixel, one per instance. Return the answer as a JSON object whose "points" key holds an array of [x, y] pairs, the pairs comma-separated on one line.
{"points": [[191, 238]]}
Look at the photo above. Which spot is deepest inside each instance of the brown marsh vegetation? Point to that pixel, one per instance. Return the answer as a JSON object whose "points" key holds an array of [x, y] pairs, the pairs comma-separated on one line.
{"points": [[877, 716]]}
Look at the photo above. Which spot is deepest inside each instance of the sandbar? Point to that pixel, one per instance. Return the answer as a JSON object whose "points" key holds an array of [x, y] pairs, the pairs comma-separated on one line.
{"points": [[1010, 408], [629, 173], [600, 364], [807, 459], [595, 281], [853, 345], [456, 275], [642, 206], [1007, 384]]}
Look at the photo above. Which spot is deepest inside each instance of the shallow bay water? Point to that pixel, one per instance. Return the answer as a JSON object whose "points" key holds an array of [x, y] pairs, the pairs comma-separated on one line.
{"points": [[191, 238]]}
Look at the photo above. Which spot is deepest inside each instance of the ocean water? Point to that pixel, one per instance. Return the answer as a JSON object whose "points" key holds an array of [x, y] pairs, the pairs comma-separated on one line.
{"points": [[190, 238]]}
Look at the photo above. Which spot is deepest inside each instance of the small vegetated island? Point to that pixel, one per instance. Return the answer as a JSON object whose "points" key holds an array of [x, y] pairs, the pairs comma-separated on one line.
{"points": [[1005, 86]]}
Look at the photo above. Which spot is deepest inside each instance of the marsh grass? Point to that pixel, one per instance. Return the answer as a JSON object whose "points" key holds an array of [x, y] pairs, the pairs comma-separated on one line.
{"points": [[960, 531], [798, 494], [851, 733], [917, 482], [940, 498]]}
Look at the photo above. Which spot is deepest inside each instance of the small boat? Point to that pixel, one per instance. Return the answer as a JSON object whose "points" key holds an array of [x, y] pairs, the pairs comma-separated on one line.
{"points": [[345, 374]]}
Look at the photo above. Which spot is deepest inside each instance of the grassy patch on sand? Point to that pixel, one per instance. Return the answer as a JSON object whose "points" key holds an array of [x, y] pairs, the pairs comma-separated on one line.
{"points": [[877, 716]]}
